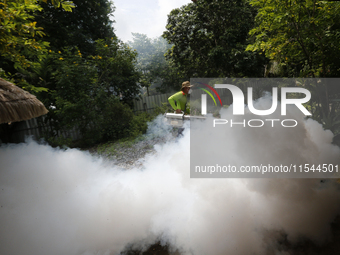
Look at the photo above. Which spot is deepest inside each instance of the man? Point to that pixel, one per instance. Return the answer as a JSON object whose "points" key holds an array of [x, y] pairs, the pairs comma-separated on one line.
{"points": [[178, 100]]}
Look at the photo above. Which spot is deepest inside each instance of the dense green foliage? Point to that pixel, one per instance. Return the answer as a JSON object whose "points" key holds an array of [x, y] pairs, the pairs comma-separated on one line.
{"points": [[17, 33], [19, 30], [88, 22], [301, 36], [91, 94], [210, 37]]}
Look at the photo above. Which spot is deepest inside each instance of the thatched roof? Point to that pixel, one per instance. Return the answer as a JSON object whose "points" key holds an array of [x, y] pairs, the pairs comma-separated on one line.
{"points": [[17, 104]]}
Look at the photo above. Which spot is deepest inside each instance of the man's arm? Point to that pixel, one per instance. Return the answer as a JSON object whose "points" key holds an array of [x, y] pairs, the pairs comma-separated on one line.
{"points": [[172, 100]]}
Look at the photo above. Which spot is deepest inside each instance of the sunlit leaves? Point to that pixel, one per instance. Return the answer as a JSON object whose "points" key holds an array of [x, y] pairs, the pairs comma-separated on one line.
{"points": [[19, 33], [66, 5], [302, 35]]}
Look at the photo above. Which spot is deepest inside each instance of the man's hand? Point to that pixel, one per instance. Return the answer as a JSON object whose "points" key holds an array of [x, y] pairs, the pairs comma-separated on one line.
{"points": [[178, 111]]}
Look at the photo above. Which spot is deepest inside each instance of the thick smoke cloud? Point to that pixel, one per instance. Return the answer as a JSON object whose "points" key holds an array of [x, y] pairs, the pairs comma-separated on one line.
{"points": [[57, 201], [242, 145]]}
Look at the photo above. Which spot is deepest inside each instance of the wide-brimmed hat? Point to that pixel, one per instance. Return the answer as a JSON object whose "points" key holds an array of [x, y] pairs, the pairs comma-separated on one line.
{"points": [[186, 84]]}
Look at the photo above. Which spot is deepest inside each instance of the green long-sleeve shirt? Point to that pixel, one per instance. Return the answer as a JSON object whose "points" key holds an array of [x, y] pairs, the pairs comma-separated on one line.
{"points": [[178, 100]]}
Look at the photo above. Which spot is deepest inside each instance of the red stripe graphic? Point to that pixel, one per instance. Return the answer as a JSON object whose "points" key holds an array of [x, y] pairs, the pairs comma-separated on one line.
{"points": [[213, 90]]}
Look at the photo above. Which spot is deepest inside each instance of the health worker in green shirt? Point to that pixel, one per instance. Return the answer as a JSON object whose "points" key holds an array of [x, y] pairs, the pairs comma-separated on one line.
{"points": [[178, 100]]}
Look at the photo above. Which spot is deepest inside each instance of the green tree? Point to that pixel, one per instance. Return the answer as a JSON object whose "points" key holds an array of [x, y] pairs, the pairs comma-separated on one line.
{"points": [[91, 94], [20, 43], [89, 21], [209, 39], [301, 36], [116, 69]]}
